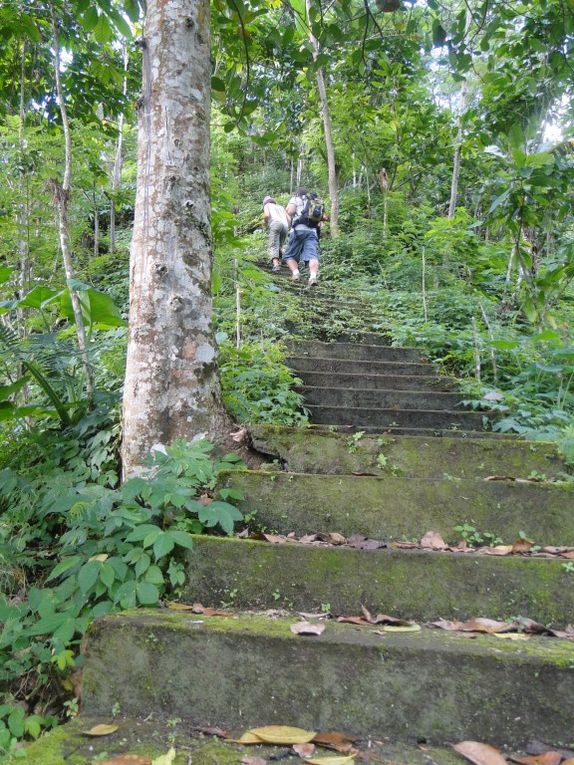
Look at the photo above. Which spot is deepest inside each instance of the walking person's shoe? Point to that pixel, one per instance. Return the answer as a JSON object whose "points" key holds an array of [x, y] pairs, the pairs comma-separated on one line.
{"points": [[276, 268], [313, 280], [295, 275]]}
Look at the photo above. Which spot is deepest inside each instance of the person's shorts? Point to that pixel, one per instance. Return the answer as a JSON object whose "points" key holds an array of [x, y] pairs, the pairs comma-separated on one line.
{"points": [[302, 245]]}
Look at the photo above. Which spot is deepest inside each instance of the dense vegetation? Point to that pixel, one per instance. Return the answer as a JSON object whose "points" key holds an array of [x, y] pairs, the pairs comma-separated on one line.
{"points": [[478, 272]]}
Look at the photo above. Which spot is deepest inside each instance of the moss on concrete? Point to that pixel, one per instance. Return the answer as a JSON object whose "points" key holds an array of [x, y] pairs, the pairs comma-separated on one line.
{"points": [[312, 451], [412, 584], [394, 507], [243, 670]]}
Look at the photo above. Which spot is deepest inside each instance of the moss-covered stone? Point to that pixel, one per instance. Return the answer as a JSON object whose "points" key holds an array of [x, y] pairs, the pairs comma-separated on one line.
{"points": [[413, 584], [313, 451], [250, 669], [394, 507]]}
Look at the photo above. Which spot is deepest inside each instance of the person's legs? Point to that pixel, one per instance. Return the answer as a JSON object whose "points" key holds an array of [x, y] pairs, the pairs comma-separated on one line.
{"points": [[275, 230], [311, 255], [292, 255]]}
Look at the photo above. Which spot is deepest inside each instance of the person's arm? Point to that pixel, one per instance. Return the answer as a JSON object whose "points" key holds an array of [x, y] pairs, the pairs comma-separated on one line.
{"points": [[291, 209], [266, 215]]}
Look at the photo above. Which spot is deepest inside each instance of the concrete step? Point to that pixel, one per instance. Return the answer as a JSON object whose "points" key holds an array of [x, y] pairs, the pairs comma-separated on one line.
{"points": [[308, 450], [410, 584], [153, 737], [396, 430], [248, 670], [380, 399], [355, 351], [355, 366], [395, 508], [406, 418], [377, 382]]}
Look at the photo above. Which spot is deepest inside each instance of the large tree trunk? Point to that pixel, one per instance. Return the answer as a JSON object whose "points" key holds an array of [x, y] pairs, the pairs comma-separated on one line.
{"points": [[331, 168], [171, 385]]}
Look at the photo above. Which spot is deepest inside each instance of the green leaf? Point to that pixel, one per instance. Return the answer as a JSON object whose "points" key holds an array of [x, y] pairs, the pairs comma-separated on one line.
{"points": [[9, 390], [5, 274], [154, 575], [217, 84], [88, 575], [63, 566], [163, 545], [147, 593], [89, 19], [181, 538], [141, 532], [38, 296]]}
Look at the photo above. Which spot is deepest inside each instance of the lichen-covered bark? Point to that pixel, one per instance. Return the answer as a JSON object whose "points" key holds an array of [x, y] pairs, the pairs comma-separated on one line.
{"points": [[171, 385]]}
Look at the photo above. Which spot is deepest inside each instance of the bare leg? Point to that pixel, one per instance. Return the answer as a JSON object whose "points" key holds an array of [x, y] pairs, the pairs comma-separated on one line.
{"points": [[294, 268], [313, 271]]}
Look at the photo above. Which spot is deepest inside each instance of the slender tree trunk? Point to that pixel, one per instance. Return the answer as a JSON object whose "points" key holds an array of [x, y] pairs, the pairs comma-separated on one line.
{"points": [[61, 195], [299, 171], [327, 126], [171, 385], [118, 160], [96, 248], [23, 203], [455, 170]]}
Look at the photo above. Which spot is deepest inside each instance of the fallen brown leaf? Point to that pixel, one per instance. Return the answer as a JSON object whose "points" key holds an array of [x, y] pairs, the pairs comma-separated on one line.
{"points": [[239, 435], [248, 760], [432, 540], [500, 478], [198, 608], [539, 747], [283, 734], [101, 730], [304, 750], [246, 738], [522, 546], [331, 760], [205, 500], [174, 606], [128, 759], [568, 554], [310, 538], [340, 742], [551, 757], [336, 539], [497, 550], [306, 628], [352, 620], [276, 539], [209, 731], [479, 754], [486, 625]]}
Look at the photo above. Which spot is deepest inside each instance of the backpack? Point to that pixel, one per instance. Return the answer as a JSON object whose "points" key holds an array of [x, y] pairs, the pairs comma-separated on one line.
{"points": [[312, 214]]}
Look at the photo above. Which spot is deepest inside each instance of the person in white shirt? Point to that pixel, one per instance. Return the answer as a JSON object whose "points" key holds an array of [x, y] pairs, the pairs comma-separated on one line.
{"points": [[277, 222]]}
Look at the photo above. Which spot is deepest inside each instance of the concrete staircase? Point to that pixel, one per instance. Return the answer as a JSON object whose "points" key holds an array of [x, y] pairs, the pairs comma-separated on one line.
{"points": [[392, 481]]}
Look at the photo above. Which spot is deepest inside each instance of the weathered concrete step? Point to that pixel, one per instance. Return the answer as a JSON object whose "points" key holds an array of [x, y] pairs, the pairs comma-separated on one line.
{"points": [[355, 351], [396, 430], [398, 508], [360, 367], [380, 399], [365, 338], [406, 418], [153, 736], [377, 382], [251, 669], [308, 450], [411, 584]]}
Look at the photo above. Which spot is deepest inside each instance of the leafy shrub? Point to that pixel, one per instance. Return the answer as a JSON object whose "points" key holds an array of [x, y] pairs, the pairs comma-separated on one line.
{"points": [[257, 385], [91, 549]]}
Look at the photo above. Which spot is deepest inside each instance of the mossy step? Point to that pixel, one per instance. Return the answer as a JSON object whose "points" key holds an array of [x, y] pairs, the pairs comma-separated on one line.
{"points": [[364, 396], [356, 366], [247, 670], [371, 416], [308, 450], [427, 382], [411, 584], [67, 746], [355, 351], [396, 430], [394, 508]]}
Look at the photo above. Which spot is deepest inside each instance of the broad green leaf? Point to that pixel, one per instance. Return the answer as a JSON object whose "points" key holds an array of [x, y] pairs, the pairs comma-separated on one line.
{"points": [[88, 575], [63, 566], [5, 274], [147, 593], [163, 545]]}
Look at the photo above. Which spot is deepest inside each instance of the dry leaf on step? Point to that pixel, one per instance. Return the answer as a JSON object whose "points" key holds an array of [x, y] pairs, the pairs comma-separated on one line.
{"points": [[246, 738], [283, 734], [101, 730], [340, 742], [304, 750], [432, 540], [480, 754], [128, 759], [165, 759], [198, 608], [331, 760], [547, 758], [522, 546], [248, 760], [306, 628]]}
